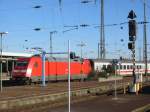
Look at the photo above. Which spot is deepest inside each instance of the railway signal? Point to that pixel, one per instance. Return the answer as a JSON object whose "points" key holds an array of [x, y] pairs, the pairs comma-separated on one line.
{"points": [[72, 55], [131, 44], [132, 15], [132, 28]]}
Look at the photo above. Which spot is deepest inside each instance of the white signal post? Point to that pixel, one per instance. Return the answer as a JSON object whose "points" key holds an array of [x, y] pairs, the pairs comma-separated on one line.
{"points": [[69, 87], [115, 62], [43, 68]]}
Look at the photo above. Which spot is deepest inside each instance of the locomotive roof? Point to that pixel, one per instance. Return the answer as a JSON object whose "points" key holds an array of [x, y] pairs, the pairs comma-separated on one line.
{"points": [[61, 59]]}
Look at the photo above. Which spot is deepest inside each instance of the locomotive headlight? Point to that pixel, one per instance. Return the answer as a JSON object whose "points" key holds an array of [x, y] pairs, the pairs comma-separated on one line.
{"points": [[29, 71]]}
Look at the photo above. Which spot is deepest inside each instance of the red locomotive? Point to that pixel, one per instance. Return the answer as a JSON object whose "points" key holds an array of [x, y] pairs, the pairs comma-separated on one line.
{"points": [[30, 69]]}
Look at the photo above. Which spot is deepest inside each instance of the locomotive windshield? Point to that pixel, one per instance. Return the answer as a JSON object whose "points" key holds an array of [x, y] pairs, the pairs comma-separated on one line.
{"points": [[22, 63]]}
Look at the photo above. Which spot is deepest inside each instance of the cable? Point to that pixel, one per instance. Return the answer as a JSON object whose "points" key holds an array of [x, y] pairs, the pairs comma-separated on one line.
{"points": [[118, 24]]}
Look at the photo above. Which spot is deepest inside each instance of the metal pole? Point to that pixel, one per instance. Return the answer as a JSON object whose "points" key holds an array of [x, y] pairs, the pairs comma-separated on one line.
{"points": [[115, 83], [139, 53], [69, 88], [81, 50], [51, 44], [145, 39], [7, 68], [98, 51], [119, 67], [51, 48], [81, 45], [133, 59], [1, 65], [81, 60], [43, 68], [102, 36]]}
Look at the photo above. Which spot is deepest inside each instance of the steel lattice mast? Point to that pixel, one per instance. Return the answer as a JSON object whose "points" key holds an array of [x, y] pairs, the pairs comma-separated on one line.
{"points": [[145, 40], [102, 34]]}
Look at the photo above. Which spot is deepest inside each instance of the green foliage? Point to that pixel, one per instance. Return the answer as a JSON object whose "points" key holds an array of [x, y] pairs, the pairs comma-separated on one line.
{"points": [[107, 71], [110, 69]]}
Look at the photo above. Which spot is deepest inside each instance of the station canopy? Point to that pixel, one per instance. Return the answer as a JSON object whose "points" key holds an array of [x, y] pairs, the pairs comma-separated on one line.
{"points": [[14, 55]]}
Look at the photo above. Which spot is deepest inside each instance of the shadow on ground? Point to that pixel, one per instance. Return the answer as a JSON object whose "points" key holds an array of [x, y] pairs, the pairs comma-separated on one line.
{"points": [[146, 90]]}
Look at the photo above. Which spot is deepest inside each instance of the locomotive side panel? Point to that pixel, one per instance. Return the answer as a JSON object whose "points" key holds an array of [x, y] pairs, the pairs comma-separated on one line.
{"points": [[52, 71], [35, 66], [76, 70], [86, 68], [62, 70], [31, 69]]}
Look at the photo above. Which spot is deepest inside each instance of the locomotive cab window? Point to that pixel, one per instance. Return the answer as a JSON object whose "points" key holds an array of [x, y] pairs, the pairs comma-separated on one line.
{"points": [[22, 63]]}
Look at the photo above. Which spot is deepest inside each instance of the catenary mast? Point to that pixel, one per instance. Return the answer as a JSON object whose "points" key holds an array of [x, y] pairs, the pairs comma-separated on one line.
{"points": [[102, 34], [145, 40]]}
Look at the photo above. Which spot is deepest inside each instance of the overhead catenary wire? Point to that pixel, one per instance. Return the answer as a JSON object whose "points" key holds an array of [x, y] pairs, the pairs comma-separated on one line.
{"points": [[72, 27], [123, 23]]}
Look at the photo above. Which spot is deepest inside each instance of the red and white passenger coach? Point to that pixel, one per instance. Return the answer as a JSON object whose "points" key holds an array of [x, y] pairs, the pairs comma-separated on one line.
{"points": [[124, 68]]}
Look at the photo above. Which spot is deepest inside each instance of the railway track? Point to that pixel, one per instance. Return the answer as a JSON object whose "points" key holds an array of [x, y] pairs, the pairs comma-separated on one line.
{"points": [[21, 91], [14, 96]]}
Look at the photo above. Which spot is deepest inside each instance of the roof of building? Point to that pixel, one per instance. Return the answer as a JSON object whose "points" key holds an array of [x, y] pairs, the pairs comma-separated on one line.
{"points": [[16, 54]]}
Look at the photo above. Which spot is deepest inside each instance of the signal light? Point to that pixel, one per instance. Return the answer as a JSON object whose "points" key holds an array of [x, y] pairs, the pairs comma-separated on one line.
{"points": [[72, 55], [132, 28], [130, 46], [132, 38]]}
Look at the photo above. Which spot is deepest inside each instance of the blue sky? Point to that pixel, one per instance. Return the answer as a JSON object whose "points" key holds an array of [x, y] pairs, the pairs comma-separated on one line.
{"points": [[19, 18]]}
